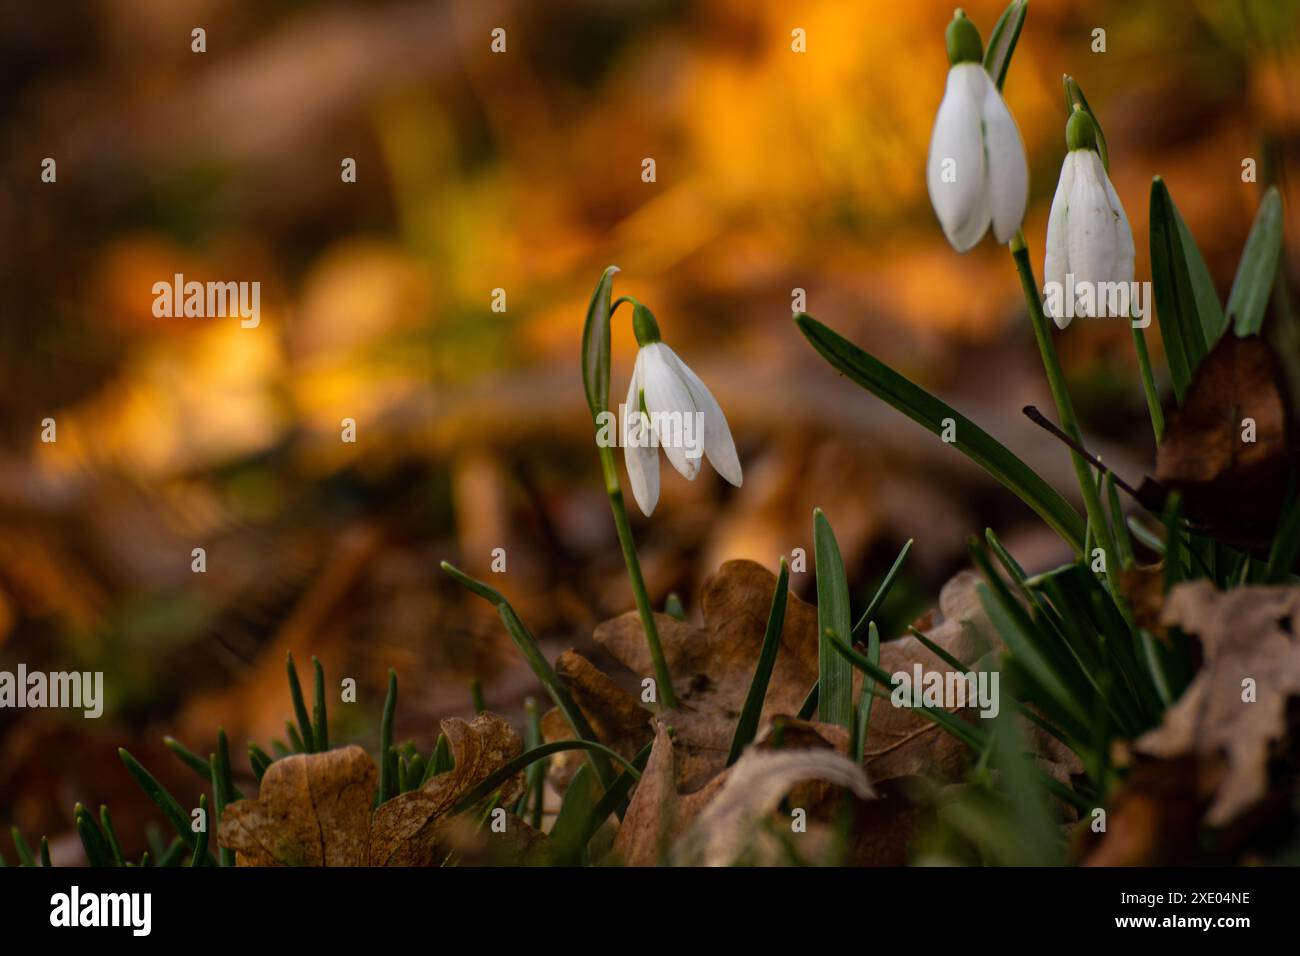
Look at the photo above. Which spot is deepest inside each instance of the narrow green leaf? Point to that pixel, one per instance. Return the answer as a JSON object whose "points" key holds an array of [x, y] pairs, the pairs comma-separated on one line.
{"points": [[1253, 285], [476, 698], [259, 760], [299, 708], [971, 440], [882, 592], [21, 848], [1002, 41], [567, 842], [809, 705], [494, 780], [541, 667], [161, 796], [614, 796], [595, 344], [45, 852], [173, 854], [97, 853], [200, 855], [320, 718], [1187, 307], [440, 761], [865, 697], [747, 725], [834, 674], [110, 837], [187, 757], [219, 796], [230, 793], [296, 744], [387, 770]]}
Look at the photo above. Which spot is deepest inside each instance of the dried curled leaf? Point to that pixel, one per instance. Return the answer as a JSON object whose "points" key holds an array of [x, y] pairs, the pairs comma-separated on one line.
{"points": [[409, 829], [311, 810], [729, 826], [1247, 635], [1230, 486]]}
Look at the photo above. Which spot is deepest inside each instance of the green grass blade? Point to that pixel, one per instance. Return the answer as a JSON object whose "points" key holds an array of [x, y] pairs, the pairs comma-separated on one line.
{"points": [[494, 780], [1253, 284], [45, 852], [110, 837], [200, 855], [187, 757], [1286, 544], [541, 667], [97, 853], [930, 412], [882, 592], [809, 705], [224, 857], [387, 768], [567, 836], [299, 708], [476, 695], [230, 792], [614, 796], [320, 717], [21, 848], [747, 725], [161, 796], [1002, 41], [259, 760], [858, 745], [835, 675]]}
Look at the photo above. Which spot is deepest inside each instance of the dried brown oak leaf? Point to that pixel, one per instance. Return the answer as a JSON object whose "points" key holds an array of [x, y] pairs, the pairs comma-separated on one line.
{"points": [[1230, 486], [409, 828], [616, 716], [1245, 633], [712, 666], [311, 810], [315, 809]]}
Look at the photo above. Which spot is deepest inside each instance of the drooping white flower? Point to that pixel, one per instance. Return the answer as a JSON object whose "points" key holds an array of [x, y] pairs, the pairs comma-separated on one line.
{"points": [[669, 407], [1089, 241], [977, 173]]}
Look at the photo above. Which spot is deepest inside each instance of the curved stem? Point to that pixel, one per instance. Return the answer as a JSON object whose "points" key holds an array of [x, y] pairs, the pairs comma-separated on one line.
{"points": [[614, 489], [1064, 407]]}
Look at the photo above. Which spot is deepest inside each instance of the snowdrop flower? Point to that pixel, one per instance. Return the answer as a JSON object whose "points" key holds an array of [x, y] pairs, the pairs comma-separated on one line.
{"points": [[1089, 241], [977, 171], [668, 406]]}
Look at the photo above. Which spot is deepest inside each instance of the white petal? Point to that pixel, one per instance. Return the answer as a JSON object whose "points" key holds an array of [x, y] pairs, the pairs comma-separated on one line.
{"points": [[1057, 262], [669, 402], [1008, 171], [639, 453], [1091, 234], [1123, 233], [718, 445], [962, 204]]}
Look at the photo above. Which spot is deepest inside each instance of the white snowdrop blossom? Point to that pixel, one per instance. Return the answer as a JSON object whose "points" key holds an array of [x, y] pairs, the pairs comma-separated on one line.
{"points": [[977, 172], [669, 407], [1089, 242]]}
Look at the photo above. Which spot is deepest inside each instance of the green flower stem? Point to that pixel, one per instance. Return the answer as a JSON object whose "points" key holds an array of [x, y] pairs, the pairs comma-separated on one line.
{"points": [[1064, 407], [1149, 384], [615, 491]]}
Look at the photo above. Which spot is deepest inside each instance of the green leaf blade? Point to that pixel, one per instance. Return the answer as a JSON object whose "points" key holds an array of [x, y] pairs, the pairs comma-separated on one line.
{"points": [[834, 674], [971, 440]]}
